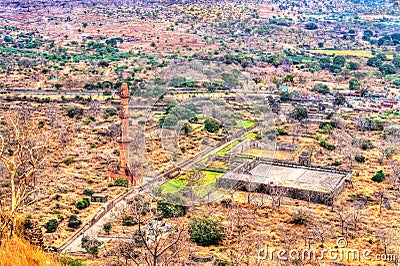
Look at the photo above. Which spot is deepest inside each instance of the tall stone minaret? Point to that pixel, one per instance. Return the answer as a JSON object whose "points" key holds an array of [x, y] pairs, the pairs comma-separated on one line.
{"points": [[123, 140]]}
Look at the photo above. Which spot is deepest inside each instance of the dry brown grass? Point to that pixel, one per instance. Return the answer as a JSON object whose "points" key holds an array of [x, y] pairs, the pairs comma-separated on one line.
{"points": [[16, 251]]}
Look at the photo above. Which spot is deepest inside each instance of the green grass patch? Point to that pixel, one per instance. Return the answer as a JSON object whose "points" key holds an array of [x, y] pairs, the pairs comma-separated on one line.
{"points": [[227, 148], [250, 135], [174, 185], [205, 183], [245, 124]]}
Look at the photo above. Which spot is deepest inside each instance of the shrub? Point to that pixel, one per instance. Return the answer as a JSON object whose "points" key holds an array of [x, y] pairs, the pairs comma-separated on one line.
{"points": [[227, 203], [71, 262], [359, 158], [206, 231], [107, 227], [82, 204], [121, 182], [282, 131], [91, 245], [88, 192], [108, 112], [107, 93], [171, 205], [325, 144], [379, 176], [212, 125], [366, 144], [128, 221], [74, 111], [51, 226], [74, 222], [68, 160], [300, 216]]}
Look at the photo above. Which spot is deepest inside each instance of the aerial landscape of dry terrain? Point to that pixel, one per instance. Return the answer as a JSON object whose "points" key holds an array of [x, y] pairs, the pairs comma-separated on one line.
{"points": [[189, 132]]}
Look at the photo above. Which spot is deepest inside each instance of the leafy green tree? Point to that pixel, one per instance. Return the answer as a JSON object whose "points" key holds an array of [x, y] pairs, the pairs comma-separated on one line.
{"points": [[51, 225], [128, 221], [212, 125], [311, 26], [171, 205], [374, 62], [339, 60], [107, 227], [74, 222], [379, 176], [82, 204], [91, 245], [285, 96], [387, 69], [396, 62], [299, 113], [354, 84], [109, 112], [353, 66], [339, 99], [206, 231], [8, 38], [289, 78], [325, 62], [321, 88]]}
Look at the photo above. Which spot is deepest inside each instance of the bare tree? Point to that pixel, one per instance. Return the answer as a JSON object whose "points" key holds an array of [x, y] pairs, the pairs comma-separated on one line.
{"points": [[344, 216], [23, 152], [395, 165], [153, 242], [387, 236]]}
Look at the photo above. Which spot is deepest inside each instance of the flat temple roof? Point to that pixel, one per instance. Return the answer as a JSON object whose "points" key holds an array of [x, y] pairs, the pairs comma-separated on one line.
{"points": [[301, 177]]}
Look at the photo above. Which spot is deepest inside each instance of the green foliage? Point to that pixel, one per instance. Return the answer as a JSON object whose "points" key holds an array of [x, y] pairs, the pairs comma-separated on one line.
{"points": [[285, 96], [171, 205], [339, 60], [311, 26], [128, 221], [354, 84], [91, 245], [108, 112], [299, 113], [353, 66], [321, 88], [212, 125], [396, 62], [359, 158], [374, 62], [121, 182], [88, 192], [71, 262], [387, 69], [82, 204], [74, 111], [51, 225], [282, 131], [366, 144], [206, 231], [74, 222], [8, 38], [325, 144], [107, 227], [107, 93], [379, 176]]}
